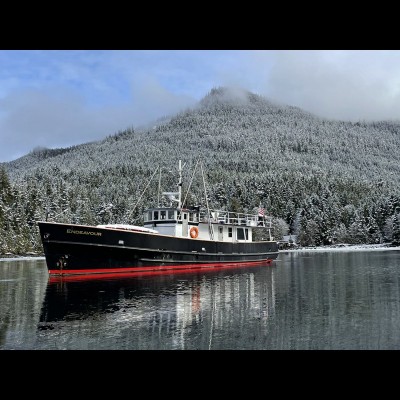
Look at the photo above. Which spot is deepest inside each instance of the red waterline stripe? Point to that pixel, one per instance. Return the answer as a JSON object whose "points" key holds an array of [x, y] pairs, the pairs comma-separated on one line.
{"points": [[152, 268], [77, 275]]}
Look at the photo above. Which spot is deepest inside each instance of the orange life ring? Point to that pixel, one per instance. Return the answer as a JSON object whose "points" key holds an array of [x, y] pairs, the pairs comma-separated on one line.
{"points": [[194, 232]]}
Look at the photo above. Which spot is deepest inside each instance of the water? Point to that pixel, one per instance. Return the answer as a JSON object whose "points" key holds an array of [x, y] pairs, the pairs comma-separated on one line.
{"points": [[332, 300]]}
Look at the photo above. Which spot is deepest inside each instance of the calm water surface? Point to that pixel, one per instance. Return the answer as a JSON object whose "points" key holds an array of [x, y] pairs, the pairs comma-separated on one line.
{"points": [[331, 300]]}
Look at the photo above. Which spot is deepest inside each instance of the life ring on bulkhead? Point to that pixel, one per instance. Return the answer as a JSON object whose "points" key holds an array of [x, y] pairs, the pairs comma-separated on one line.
{"points": [[194, 232]]}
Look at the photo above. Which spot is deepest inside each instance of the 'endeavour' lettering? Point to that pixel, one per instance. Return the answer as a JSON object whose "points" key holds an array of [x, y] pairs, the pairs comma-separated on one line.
{"points": [[75, 232]]}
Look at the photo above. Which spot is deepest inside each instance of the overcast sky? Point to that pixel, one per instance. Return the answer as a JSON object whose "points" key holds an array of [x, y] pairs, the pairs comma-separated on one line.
{"points": [[61, 98]]}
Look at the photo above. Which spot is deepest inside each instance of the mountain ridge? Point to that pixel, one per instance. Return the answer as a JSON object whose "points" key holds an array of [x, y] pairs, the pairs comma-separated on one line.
{"points": [[267, 119]]}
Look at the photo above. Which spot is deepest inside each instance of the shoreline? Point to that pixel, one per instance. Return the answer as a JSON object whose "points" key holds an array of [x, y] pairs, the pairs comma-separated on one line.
{"points": [[346, 247]]}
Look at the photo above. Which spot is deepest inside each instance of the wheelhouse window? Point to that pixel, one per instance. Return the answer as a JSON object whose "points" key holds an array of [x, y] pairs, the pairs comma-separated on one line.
{"points": [[230, 232], [149, 216], [242, 234], [155, 214], [163, 214], [171, 214]]}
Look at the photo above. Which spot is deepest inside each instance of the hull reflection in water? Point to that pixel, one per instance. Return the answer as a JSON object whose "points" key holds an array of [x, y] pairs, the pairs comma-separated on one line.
{"points": [[170, 311], [183, 269]]}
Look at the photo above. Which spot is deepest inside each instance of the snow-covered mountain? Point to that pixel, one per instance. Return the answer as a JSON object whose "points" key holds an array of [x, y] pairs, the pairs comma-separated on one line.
{"points": [[327, 180]]}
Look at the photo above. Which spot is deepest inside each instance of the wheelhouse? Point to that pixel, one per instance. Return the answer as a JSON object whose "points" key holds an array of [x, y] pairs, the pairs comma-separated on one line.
{"points": [[213, 225]]}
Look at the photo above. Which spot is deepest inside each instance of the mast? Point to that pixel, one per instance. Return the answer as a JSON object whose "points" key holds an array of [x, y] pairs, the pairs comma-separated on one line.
{"points": [[180, 185], [171, 195], [159, 187], [210, 227]]}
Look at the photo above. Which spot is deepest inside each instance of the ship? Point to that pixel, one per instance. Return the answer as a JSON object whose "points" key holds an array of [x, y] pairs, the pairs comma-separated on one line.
{"points": [[174, 238]]}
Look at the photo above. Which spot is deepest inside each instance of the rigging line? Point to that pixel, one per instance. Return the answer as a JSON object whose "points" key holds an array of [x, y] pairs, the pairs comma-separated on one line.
{"points": [[144, 191], [191, 180]]}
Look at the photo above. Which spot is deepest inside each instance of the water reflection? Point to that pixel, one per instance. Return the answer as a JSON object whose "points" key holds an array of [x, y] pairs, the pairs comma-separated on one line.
{"points": [[22, 290], [344, 300], [347, 300], [191, 311]]}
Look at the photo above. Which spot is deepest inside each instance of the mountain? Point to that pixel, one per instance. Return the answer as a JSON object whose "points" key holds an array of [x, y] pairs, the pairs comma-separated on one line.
{"points": [[327, 180], [241, 128]]}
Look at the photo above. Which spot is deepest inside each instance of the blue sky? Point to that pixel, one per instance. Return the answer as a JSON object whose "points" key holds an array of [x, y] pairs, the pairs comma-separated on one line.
{"points": [[59, 98]]}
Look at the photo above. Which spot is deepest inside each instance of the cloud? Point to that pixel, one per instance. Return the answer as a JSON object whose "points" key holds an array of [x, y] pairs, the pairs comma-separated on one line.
{"points": [[151, 100], [62, 98], [60, 117], [346, 85]]}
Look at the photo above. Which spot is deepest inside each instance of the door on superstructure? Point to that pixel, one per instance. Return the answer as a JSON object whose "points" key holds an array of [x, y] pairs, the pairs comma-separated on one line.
{"points": [[184, 224], [220, 233]]}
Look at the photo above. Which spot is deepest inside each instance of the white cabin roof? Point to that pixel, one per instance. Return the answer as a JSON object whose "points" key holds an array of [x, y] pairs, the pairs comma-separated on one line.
{"points": [[127, 227]]}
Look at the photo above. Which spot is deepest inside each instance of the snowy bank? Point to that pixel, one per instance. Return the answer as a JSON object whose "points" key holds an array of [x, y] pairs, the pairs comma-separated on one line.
{"points": [[344, 247], [19, 258]]}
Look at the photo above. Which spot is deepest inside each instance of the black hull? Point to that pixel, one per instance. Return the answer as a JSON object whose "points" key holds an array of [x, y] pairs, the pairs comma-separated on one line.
{"points": [[75, 249]]}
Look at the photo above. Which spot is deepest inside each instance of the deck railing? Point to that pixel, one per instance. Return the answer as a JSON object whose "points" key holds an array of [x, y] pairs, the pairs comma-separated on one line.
{"points": [[233, 218]]}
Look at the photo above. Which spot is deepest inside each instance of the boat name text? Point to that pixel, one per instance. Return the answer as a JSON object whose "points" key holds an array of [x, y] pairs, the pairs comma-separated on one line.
{"points": [[84, 232]]}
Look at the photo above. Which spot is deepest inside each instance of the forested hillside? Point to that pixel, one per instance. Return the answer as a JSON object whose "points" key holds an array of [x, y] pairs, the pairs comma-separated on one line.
{"points": [[326, 181]]}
